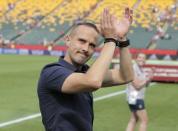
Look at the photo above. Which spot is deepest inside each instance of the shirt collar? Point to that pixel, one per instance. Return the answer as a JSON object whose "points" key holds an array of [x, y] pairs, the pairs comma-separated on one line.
{"points": [[64, 63]]}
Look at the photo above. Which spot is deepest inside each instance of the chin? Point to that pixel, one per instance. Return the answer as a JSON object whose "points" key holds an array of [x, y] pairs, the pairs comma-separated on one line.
{"points": [[140, 64], [80, 62], [83, 61]]}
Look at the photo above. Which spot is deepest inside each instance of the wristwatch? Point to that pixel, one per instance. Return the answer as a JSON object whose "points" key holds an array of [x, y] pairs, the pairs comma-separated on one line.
{"points": [[118, 43]]}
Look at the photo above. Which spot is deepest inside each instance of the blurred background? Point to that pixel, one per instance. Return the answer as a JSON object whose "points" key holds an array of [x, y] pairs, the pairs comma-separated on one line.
{"points": [[32, 35]]}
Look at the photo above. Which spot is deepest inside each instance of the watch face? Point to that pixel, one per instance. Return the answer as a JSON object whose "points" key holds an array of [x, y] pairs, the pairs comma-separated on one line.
{"points": [[124, 43]]}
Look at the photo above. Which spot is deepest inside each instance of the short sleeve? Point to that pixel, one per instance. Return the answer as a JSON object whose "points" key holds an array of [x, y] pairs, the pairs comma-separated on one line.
{"points": [[54, 77]]}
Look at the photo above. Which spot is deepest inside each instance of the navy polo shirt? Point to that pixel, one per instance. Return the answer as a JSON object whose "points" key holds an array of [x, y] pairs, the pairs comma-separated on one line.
{"points": [[60, 111]]}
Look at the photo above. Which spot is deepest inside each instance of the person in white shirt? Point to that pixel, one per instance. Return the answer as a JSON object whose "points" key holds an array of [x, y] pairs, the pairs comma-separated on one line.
{"points": [[135, 95]]}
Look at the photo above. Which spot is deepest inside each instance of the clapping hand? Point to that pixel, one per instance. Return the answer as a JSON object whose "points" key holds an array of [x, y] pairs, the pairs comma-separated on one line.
{"points": [[111, 27], [122, 26]]}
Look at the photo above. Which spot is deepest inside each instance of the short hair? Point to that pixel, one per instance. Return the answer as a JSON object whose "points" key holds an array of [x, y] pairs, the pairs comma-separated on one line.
{"points": [[88, 24]]}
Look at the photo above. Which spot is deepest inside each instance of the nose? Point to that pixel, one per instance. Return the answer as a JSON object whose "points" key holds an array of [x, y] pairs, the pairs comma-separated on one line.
{"points": [[85, 47]]}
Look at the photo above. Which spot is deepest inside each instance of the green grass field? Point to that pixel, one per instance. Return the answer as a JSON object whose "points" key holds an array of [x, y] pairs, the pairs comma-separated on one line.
{"points": [[18, 99]]}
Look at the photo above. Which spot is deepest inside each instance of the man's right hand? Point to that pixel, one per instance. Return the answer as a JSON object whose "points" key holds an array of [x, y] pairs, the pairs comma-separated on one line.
{"points": [[111, 27], [107, 27]]}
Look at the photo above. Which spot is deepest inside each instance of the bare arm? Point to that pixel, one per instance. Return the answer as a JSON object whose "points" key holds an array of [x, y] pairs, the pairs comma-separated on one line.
{"points": [[122, 75], [139, 83], [126, 70], [125, 73], [93, 78]]}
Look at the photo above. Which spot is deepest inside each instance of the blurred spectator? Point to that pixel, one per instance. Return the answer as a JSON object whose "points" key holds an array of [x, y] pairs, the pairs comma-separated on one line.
{"points": [[48, 44], [163, 19], [10, 6], [1, 41]]}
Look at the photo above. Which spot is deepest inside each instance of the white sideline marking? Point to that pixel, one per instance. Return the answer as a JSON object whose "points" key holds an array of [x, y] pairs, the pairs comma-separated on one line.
{"points": [[39, 114], [19, 120], [109, 95]]}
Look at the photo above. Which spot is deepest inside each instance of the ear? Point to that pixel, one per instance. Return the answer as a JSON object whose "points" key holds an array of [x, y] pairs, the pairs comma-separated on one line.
{"points": [[67, 40]]}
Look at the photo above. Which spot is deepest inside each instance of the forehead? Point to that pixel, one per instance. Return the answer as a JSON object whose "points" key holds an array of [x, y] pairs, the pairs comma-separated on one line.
{"points": [[83, 30], [141, 55]]}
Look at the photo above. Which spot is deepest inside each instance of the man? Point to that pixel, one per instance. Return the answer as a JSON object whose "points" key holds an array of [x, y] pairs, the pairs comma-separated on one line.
{"points": [[65, 87], [135, 95]]}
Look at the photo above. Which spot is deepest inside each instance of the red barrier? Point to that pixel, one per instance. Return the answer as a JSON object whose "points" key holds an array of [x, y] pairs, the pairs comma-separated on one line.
{"points": [[164, 73], [30, 47], [132, 50]]}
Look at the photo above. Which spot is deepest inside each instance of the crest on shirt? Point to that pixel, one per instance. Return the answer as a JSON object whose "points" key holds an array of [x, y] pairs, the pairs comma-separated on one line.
{"points": [[140, 106]]}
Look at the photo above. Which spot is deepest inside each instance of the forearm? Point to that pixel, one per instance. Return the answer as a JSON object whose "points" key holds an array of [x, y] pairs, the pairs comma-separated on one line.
{"points": [[101, 65], [126, 68], [139, 84]]}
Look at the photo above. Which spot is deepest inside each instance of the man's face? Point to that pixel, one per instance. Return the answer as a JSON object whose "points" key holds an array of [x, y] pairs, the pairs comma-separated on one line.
{"points": [[81, 44], [141, 59]]}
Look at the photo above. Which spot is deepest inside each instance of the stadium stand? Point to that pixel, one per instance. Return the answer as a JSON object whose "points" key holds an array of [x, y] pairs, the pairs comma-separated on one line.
{"points": [[37, 22]]}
